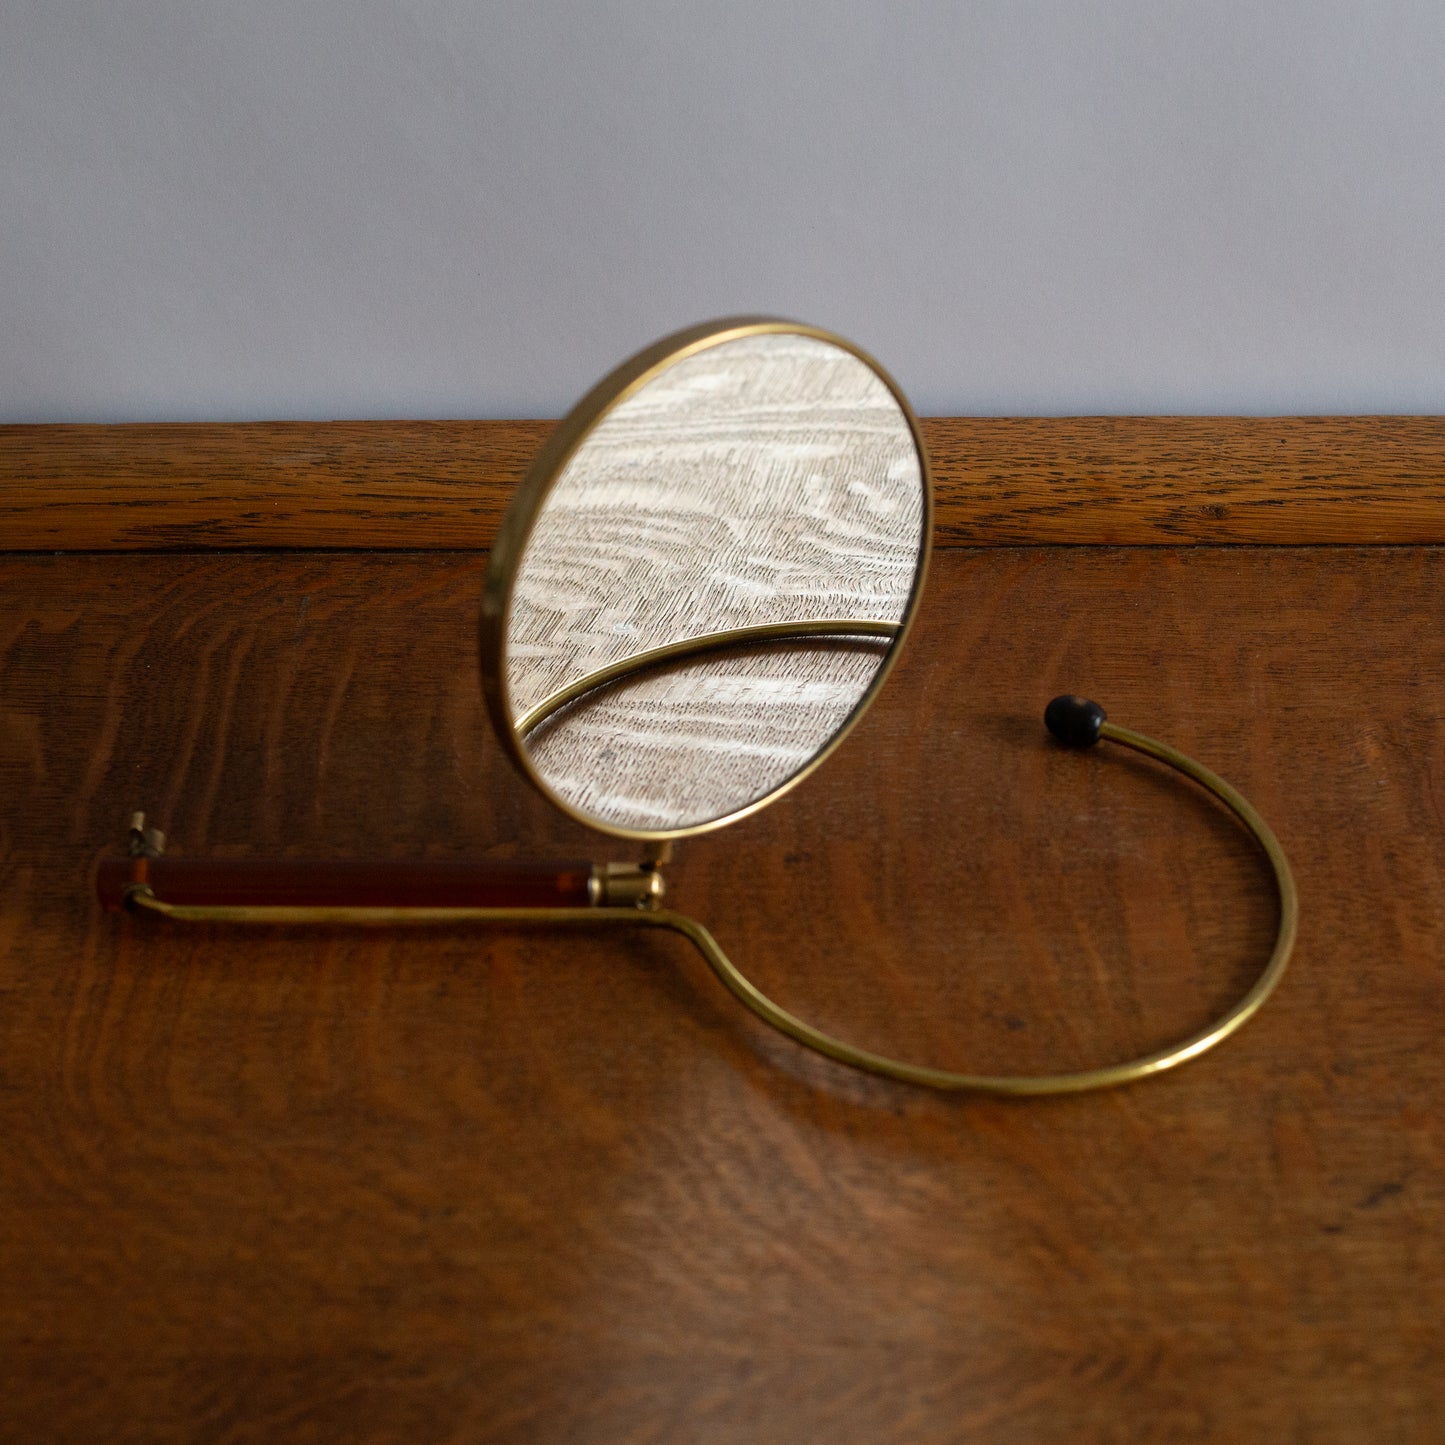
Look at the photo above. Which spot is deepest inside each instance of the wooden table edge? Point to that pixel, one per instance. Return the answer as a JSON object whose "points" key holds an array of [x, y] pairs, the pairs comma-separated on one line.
{"points": [[444, 485]]}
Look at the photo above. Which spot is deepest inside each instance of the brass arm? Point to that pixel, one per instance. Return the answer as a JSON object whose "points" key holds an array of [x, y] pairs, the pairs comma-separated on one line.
{"points": [[1075, 725]]}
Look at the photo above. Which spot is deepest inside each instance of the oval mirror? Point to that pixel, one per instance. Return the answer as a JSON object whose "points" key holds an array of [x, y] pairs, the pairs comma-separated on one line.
{"points": [[706, 576]]}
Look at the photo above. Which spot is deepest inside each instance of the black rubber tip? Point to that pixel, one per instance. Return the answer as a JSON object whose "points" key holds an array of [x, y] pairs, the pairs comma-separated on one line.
{"points": [[1075, 721]]}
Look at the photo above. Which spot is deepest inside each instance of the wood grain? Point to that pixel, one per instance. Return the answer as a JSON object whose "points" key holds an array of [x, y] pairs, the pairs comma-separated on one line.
{"points": [[506, 1186], [445, 484]]}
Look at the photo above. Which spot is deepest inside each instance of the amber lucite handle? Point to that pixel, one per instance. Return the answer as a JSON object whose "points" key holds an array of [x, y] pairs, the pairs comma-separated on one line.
{"points": [[347, 883]]}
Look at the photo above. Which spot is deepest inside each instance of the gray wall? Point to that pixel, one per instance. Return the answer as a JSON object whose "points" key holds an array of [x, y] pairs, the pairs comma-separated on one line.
{"points": [[317, 208]]}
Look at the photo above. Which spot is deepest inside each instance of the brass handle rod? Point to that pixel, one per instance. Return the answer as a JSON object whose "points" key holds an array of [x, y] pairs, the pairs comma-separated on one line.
{"points": [[336, 889], [338, 882]]}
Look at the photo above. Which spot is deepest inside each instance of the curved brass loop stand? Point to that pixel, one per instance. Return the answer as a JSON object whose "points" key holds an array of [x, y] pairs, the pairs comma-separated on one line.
{"points": [[840, 628], [752, 998], [1083, 1080]]}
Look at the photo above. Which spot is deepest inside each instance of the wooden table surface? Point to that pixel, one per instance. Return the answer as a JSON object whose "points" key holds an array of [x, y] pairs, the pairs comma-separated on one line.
{"points": [[495, 1185]]}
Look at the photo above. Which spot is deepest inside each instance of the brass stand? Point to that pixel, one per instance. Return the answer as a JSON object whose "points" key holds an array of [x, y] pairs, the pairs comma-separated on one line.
{"points": [[642, 885]]}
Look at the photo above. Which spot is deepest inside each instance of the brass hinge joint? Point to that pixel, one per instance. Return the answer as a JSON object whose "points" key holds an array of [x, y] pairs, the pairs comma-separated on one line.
{"points": [[626, 885]]}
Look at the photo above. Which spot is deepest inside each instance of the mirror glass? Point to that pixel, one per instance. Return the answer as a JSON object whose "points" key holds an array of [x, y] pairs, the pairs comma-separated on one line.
{"points": [[713, 578]]}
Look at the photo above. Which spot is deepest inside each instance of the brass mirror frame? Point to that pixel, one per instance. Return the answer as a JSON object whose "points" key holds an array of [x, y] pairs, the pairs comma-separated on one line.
{"points": [[547, 467]]}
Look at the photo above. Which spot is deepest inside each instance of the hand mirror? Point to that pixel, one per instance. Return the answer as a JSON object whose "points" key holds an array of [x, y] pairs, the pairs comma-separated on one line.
{"points": [[701, 585], [705, 578]]}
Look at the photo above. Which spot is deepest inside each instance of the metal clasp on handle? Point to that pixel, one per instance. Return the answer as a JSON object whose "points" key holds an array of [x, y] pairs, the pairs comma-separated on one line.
{"points": [[144, 842]]}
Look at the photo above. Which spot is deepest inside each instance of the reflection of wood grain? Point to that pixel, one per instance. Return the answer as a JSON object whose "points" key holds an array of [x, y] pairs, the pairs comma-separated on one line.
{"points": [[699, 740], [509, 1186], [765, 480]]}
